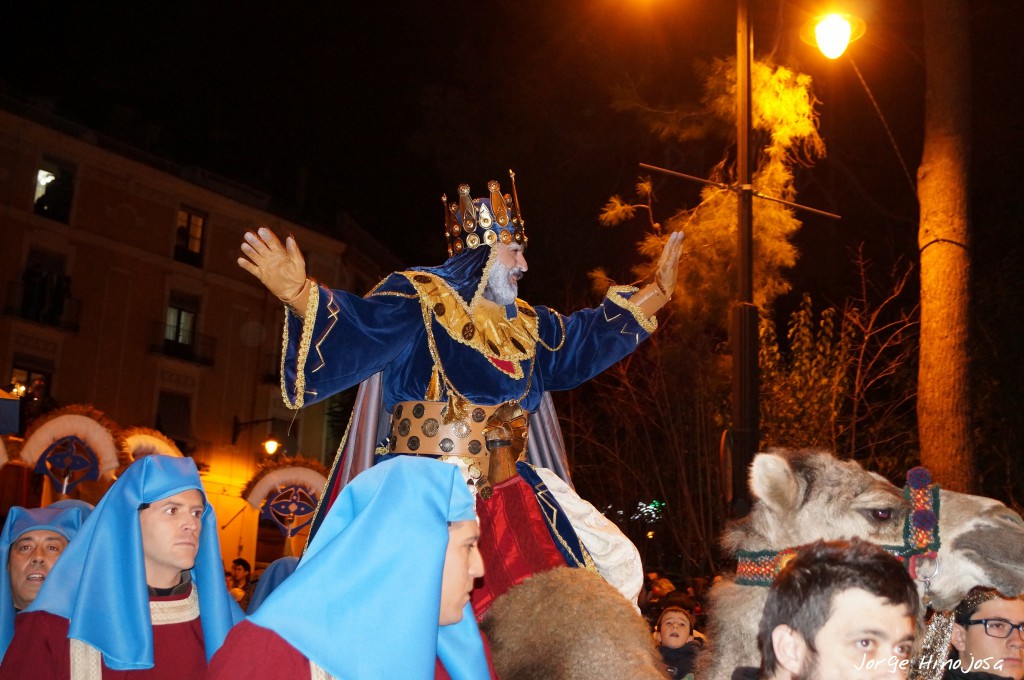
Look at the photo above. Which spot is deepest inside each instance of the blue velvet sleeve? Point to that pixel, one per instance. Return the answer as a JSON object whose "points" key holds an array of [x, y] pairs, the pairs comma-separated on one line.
{"points": [[594, 339], [348, 339]]}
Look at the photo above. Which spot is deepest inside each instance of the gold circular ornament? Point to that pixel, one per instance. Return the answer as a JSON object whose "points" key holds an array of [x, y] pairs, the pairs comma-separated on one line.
{"points": [[457, 247], [474, 471], [462, 429], [431, 427], [489, 238], [472, 240], [505, 237]]}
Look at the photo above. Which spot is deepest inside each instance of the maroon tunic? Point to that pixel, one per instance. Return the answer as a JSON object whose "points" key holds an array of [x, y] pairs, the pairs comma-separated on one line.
{"points": [[514, 542], [276, 658], [41, 650]]}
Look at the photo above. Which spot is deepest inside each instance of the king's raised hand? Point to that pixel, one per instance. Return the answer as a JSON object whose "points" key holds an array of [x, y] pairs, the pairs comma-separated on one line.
{"points": [[280, 267]]}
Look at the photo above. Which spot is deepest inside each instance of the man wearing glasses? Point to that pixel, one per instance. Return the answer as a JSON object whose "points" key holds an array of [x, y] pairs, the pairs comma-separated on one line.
{"points": [[988, 636]]}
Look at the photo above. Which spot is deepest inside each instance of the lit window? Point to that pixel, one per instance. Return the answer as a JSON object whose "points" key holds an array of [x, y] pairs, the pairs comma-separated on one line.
{"points": [[188, 242], [55, 186], [180, 324]]}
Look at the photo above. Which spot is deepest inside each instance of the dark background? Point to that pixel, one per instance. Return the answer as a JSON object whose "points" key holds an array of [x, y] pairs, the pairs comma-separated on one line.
{"points": [[376, 109]]}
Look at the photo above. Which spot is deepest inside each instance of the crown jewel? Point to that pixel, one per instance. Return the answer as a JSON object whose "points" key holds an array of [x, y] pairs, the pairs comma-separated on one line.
{"points": [[470, 223]]}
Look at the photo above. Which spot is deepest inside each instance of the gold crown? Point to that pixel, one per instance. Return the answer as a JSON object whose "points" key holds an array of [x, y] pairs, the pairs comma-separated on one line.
{"points": [[470, 223]]}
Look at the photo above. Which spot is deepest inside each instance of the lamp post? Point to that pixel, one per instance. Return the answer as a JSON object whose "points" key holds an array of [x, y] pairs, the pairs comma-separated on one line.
{"points": [[745, 388], [832, 33]]}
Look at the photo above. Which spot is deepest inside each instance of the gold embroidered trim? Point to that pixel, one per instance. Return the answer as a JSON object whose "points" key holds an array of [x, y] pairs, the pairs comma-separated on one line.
{"points": [[545, 500], [485, 328], [86, 661], [561, 324], [300, 361], [393, 293], [615, 295], [457, 402], [175, 611]]}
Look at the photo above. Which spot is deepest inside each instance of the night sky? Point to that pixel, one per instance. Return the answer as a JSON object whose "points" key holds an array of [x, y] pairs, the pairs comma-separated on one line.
{"points": [[376, 109]]}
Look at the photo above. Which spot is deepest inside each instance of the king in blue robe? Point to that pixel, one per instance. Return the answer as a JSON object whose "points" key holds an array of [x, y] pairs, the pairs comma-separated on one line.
{"points": [[454, 366]]}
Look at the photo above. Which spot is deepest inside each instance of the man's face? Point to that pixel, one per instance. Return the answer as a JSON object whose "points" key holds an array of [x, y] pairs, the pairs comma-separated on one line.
{"points": [[462, 565], [170, 536], [30, 559], [239, 572], [508, 267], [674, 630], [864, 637], [982, 652]]}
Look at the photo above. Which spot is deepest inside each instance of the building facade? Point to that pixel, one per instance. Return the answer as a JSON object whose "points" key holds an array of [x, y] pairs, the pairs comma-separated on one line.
{"points": [[122, 291]]}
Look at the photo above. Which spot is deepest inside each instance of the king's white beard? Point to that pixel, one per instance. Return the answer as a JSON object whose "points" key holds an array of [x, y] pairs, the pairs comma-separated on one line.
{"points": [[500, 288]]}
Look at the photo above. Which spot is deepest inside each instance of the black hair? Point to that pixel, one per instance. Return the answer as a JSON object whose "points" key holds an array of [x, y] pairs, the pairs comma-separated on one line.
{"points": [[239, 562]]}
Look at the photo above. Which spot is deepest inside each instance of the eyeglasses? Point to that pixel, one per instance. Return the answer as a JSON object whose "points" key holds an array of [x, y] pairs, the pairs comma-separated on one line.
{"points": [[998, 628]]}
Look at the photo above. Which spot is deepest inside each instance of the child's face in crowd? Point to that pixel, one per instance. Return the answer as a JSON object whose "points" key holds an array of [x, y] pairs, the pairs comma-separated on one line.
{"points": [[674, 631]]}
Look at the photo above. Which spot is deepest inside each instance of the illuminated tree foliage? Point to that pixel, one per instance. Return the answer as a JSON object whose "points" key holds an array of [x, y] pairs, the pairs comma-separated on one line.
{"points": [[784, 117], [651, 427]]}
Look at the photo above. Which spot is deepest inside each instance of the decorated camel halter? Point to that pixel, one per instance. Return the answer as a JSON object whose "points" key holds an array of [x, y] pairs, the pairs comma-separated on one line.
{"points": [[920, 538]]}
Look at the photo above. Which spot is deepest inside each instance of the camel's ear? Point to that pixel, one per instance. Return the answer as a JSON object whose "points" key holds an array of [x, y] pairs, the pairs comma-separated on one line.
{"points": [[773, 481], [790, 649]]}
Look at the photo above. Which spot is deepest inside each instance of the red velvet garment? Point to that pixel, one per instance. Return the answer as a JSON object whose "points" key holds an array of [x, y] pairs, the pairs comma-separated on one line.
{"points": [[41, 650], [514, 541], [256, 653]]}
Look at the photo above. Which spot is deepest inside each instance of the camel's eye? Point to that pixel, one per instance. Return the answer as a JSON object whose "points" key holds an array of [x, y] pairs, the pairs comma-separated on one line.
{"points": [[881, 514]]}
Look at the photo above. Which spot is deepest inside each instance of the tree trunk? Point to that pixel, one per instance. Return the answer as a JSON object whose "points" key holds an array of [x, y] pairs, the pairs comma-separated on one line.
{"points": [[943, 406]]}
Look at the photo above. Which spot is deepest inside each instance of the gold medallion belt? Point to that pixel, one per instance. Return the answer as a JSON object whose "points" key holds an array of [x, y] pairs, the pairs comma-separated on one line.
{"points": [[489, 439]]}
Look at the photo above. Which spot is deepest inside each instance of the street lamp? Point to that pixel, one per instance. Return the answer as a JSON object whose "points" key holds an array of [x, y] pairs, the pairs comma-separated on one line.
{"points": [[738, 451], [270, 445]]}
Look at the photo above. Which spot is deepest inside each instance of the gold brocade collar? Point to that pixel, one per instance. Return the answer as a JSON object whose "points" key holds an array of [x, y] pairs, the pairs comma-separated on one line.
{"points": [[484, 327]]}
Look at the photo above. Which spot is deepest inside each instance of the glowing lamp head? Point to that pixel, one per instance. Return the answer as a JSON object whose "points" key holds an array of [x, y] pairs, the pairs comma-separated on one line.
{"points": [[833, 33], [271, 446]]}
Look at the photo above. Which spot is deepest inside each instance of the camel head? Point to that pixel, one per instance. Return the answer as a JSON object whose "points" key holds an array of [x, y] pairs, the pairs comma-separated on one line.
{"points": [[804, 496]]}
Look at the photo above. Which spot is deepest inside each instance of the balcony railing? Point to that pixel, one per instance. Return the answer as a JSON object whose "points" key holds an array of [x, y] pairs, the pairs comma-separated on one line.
{"points": [[46, 303], [198, 349]]}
